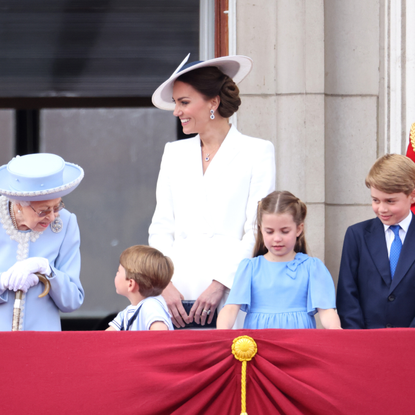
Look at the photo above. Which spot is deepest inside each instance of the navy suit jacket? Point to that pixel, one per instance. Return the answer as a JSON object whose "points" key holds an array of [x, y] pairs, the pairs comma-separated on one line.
{"points": [[367, 296]]}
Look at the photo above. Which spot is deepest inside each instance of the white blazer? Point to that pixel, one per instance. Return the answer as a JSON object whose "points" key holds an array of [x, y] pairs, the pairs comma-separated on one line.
{"points": [[205, 222]]}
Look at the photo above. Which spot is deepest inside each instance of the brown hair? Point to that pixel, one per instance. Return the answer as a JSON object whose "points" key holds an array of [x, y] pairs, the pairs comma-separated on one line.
{"points": [[275, 203], [212, 82], [148, 267], [392, 173]]}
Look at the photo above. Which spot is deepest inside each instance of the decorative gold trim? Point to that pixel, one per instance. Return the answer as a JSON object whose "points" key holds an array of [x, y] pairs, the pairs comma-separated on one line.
{"points": [[412, 136], [244, 349]]}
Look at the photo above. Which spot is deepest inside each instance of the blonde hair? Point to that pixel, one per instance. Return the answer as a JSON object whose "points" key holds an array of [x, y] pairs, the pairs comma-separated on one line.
{"points": [[275, 203], [148, 267], [392, 173]]}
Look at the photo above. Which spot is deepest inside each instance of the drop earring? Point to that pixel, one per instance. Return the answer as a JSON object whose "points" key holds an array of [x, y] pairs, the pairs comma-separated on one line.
{"points": [[212, 114]]}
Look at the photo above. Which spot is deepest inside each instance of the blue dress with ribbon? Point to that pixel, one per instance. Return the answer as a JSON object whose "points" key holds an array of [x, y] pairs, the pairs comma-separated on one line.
{"points": [[282, 294]]}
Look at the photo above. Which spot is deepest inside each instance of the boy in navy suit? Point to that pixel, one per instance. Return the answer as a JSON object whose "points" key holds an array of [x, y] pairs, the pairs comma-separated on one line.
{"points": [[376, 286]]}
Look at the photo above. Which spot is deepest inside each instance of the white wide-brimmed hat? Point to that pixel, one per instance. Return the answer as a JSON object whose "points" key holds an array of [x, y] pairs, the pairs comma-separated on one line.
{"points": [[40, 176], [237, 67]]}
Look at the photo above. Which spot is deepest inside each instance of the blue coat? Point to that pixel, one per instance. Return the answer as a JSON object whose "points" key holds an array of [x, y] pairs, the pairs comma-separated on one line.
{"points": [[66, 293], [367, 296]]}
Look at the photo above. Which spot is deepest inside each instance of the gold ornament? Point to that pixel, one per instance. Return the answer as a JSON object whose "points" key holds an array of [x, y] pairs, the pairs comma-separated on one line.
{"points": [[412, 136], [244, 349]]}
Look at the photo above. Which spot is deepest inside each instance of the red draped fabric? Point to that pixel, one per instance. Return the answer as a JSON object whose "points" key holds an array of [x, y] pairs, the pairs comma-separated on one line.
{"points": [[318, 372], [411, 154]]}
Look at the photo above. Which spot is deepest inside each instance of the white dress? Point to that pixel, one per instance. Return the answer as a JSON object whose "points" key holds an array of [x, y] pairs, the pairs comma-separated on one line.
{"points": [[205, 222]]}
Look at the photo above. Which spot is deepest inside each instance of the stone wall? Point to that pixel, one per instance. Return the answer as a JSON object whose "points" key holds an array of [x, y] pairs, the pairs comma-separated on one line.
{"points": [[314, 92]]}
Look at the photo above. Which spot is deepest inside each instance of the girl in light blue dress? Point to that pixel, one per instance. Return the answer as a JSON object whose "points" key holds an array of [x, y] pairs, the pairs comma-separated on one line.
{"points": [[281, 286]]}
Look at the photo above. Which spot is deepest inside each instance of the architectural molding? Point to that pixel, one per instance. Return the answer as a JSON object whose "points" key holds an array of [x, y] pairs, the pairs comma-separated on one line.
{"points": [[207, 30]]}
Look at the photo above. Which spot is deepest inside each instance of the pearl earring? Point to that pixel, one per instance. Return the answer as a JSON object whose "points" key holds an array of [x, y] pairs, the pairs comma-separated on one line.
{"points": [[212, 115]]}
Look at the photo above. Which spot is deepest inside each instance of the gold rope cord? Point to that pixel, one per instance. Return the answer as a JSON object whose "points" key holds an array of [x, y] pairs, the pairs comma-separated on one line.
{"points": [[412, 136], [244, 349]]}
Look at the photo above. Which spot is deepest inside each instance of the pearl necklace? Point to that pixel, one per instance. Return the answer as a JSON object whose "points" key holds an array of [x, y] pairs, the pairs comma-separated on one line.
{"points": [[22, 238]]}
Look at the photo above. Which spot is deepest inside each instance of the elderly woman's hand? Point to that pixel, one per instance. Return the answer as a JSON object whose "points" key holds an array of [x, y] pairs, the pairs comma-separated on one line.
{"points": [[173, 299], [207, 303], [21, 275]]}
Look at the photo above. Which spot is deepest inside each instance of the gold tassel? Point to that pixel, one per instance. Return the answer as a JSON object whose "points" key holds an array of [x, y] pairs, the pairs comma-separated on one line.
{"points": [[412, 136], [244, 349]]}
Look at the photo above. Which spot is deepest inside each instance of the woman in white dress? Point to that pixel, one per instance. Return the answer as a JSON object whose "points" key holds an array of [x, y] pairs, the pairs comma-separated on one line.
{"points": [[208, 186]]}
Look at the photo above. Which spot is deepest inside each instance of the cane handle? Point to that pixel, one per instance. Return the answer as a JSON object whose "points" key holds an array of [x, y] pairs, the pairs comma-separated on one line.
{"points": [[46, 283]]}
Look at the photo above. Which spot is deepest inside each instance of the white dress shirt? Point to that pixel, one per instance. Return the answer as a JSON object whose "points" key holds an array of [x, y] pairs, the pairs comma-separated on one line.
{"points": [[390, 236]]}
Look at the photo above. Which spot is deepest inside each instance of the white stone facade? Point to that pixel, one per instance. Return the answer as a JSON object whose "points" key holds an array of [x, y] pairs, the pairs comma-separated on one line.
{"points": [[331, 88]]}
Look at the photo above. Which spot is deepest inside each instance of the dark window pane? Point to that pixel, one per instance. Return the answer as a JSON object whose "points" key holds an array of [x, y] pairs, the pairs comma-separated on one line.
{"points": [[93, 48]]}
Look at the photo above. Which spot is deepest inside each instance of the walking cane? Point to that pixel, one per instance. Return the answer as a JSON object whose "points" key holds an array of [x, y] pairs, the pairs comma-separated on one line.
{"points": [[17, 308]]}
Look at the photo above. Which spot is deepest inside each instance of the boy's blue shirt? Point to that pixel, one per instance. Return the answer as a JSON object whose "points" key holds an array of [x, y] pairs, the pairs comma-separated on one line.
{"points": [[367, 296]]}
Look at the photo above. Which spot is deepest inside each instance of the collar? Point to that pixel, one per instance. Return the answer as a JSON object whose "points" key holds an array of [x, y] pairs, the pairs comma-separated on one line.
{"points": [[404, 224], [228, 137]]}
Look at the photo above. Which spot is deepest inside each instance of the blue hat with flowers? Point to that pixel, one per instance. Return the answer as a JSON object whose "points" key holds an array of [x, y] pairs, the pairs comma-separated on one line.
{"points": [[40, 176], [236, 67]]}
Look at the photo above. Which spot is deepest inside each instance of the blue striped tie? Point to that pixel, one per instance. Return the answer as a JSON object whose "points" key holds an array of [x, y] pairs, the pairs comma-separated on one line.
{"points": [[395, 249]]}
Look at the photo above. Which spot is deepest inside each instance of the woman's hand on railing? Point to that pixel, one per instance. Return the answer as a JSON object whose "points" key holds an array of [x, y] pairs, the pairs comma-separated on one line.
{"points": [[173, 299], [204, 307]]}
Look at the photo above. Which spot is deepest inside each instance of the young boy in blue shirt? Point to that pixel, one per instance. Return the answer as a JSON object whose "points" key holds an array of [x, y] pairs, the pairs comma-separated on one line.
{"points": [[376, 287], [143, 274]]}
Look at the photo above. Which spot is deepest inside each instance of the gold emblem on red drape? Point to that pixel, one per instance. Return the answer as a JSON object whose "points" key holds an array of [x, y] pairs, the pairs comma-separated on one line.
{"points": [[244, 349]]}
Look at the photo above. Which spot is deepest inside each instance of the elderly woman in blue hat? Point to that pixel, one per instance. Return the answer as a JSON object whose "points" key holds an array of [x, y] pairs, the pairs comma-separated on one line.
{"points": [[208, 187], [37, 235]]}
